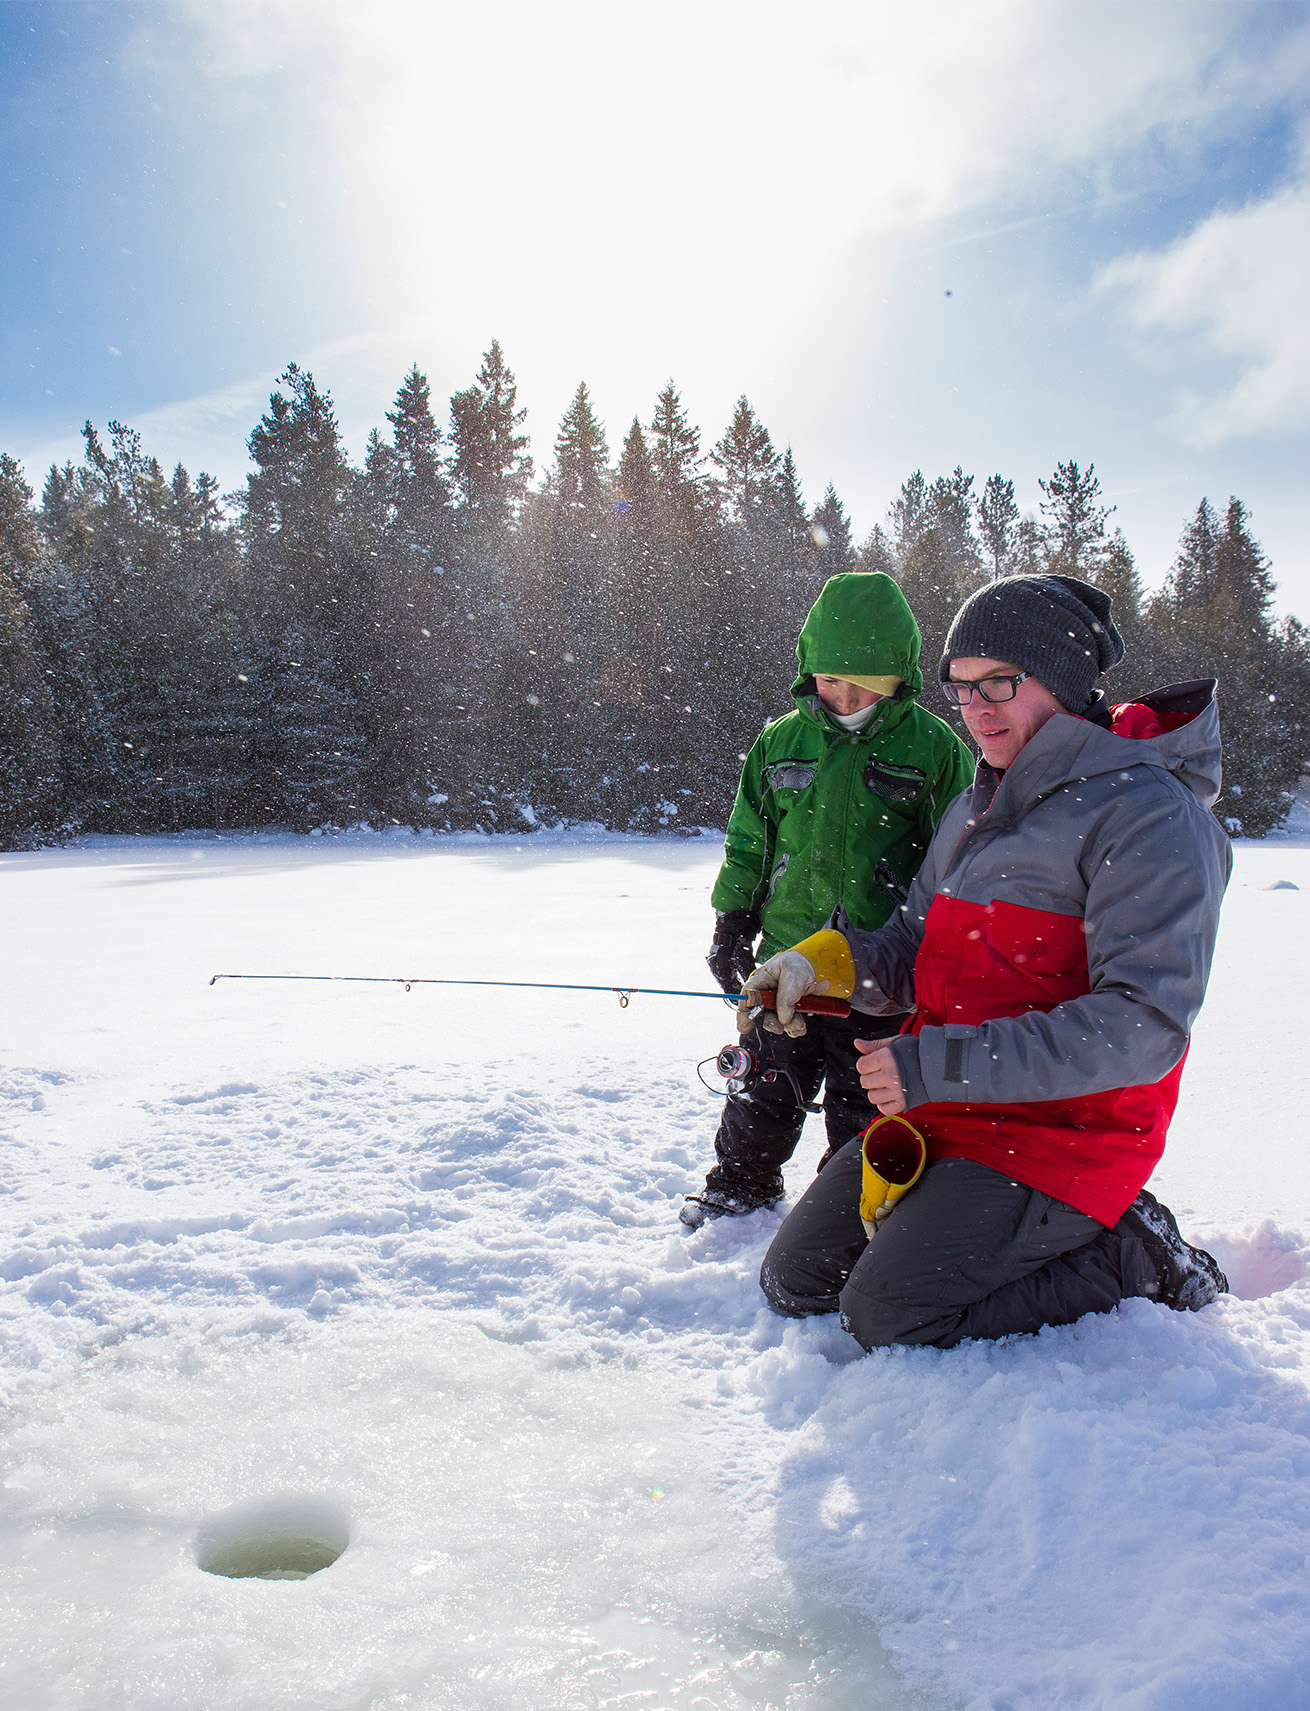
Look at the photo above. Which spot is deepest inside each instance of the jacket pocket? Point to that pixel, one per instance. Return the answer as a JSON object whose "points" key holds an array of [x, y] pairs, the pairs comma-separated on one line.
{"points": [[894, 783], [790, 774], [779, 869], [885, 874]]}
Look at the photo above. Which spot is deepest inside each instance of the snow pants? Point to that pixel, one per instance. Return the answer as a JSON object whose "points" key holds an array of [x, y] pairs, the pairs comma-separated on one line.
{"points": [[967, 1253], [760, 1128]]}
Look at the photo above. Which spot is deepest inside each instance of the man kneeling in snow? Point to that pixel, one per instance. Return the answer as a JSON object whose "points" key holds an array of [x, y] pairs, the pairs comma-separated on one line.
{"points": [[1055, 950]]}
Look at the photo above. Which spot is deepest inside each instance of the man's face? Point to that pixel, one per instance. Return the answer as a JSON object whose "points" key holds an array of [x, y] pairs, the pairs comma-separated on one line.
{"points": [[839, 696], [1001, 728]]}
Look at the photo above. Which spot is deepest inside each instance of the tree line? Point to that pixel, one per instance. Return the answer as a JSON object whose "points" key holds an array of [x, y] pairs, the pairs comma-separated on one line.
{"points": [[439, 638]]}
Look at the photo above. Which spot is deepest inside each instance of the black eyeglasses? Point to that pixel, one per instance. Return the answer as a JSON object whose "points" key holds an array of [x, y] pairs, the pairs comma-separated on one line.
{"points": [[990, 688]]}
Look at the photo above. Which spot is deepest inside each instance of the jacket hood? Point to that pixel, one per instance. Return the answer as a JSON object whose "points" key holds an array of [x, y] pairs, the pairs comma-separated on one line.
{"points": [[1068, 749], [859, 625], [1189, 743]]}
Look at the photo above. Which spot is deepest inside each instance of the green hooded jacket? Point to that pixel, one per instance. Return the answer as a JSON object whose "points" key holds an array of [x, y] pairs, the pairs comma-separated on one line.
{"points": [[826, 816]]}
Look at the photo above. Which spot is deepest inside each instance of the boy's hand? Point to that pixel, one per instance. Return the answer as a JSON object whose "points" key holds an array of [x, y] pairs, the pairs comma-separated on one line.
{"points": [[879, 1077], [731, 957], [792, 976]]}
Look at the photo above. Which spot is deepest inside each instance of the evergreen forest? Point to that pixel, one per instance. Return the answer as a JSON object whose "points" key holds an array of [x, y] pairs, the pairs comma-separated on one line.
{"points": [[444, 638]]}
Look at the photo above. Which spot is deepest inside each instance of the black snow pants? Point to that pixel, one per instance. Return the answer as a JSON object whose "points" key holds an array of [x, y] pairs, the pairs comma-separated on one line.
{"points": [[760, 1128], [967, 1253]]}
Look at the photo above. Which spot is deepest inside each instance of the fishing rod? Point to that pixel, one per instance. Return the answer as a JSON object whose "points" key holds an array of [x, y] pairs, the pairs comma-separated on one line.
{"points": [[813, 1005]]}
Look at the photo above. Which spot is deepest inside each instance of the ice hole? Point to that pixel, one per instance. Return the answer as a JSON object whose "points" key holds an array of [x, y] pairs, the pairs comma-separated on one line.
{"points": [[277, 1538]]}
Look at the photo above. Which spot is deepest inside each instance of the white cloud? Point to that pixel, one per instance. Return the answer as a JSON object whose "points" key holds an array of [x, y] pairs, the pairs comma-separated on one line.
{"points": [[712, 190], [1234, 287], [722, 191]]}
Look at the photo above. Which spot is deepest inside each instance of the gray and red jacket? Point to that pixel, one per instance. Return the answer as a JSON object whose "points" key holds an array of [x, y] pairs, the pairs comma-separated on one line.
{"points": [[1055, 948]]}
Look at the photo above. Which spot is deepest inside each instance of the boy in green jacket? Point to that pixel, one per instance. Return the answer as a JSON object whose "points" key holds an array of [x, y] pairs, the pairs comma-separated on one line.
{"points": [[837, 804]]}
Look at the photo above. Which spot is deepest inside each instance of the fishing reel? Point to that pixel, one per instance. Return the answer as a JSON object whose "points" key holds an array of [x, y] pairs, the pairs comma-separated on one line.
{"points": [[744, 1069]]}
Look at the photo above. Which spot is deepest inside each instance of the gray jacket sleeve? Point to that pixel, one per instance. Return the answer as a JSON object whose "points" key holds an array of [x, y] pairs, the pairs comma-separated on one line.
{"points": [[1155, 876]]}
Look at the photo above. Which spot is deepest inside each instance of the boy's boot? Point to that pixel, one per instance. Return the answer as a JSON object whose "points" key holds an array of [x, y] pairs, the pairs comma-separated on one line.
{"points": [[728, 1194]]}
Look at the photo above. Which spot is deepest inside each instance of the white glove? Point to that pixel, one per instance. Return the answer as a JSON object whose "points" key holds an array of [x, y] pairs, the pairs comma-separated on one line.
{"points": [[792, 976]]}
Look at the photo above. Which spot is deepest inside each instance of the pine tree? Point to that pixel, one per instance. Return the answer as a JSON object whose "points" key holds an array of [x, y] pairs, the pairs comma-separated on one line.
{"points": [[1213, 619], [141, 641], [1116, 572], [792, 515], [74, 622], [1028, 557], [685, 494], [830, 530], [417, 442], [573, 600], [1195, 578], [876, 552], [294, 499], [788, 567], [935, 552], [409, 482], [29, 736], [490, 462], [399, 523], [198, 730], [909, 514], [950, 513], [709, 633], [553, 728], [580, 482], [636, 493], [998, 518], [1244, 570], [491, 469], [1075, 518], [636, 628], [749, 463], [313, 637]]}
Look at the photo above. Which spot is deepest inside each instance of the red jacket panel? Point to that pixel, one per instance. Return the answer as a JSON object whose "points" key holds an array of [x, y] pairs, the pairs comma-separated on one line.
{"points": [[982, 961]]}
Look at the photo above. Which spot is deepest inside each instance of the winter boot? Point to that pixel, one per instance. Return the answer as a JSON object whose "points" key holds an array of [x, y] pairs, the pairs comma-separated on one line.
{"points": [[1188, 1277], [723, 1200]]}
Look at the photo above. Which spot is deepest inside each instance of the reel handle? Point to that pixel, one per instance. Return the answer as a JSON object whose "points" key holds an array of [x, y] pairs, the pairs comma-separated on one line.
{"points": [[812, 1005]]}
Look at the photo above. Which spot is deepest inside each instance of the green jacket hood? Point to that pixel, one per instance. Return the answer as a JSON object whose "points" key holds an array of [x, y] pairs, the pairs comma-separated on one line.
{"points": [[860, 624]]}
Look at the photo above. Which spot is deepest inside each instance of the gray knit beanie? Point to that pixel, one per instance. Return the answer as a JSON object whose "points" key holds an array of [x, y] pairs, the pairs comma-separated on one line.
{"points": [[1057, 627]]}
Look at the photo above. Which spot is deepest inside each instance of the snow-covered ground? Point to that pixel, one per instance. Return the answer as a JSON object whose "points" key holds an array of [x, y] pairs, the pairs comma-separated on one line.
{"points": [[404, 1269]]}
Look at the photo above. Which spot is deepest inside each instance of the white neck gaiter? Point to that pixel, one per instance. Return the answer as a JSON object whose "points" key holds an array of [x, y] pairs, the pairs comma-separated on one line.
{"points": [[854, 721]]}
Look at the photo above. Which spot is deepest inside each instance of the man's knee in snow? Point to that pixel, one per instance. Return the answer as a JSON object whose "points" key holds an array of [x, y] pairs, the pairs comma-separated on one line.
{"points": [[790, 1288], [886, 1302], [869, 1320]]}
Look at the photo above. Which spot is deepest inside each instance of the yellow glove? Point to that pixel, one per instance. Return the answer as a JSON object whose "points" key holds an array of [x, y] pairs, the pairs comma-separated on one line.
{"points": [[830, 957], [893, 1154], [820, 964]]}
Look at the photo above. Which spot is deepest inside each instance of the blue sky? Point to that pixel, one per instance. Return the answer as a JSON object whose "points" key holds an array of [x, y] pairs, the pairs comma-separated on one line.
{"points": [[757, 198]]}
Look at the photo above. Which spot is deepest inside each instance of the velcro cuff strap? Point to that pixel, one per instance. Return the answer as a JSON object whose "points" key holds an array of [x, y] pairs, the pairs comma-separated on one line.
{"points": [[830, 957]]}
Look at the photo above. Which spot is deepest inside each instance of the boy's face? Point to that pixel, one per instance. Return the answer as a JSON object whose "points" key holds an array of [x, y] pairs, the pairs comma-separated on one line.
{"points": [[844, 698]]}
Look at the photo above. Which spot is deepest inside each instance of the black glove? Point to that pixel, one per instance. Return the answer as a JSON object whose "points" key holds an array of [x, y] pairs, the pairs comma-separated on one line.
{"points": [[731, 956]]}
